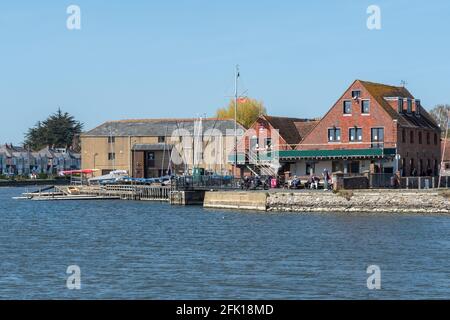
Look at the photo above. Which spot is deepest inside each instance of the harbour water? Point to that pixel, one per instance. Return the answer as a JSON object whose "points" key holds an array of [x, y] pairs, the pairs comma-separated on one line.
{"points": [[142, 250]]}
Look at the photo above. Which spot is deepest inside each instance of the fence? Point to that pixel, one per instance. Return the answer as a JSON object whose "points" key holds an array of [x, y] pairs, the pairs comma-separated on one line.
{"points": [[130, 192], [205, 182], [388, 180]]}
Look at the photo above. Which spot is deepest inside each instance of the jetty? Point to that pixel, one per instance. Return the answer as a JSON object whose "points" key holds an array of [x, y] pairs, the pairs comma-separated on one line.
{"points": [[107, 192]]}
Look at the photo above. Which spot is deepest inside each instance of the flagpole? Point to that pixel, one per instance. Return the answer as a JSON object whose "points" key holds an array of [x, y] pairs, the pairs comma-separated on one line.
{"points": [[235, 114]]}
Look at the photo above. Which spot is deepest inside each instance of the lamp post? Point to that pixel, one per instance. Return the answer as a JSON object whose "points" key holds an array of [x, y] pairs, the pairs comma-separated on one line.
{"points": [[95, 156]]}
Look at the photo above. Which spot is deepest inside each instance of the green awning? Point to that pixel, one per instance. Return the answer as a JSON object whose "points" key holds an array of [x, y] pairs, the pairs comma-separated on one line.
{"points": [[342, 153], [320, 154]]}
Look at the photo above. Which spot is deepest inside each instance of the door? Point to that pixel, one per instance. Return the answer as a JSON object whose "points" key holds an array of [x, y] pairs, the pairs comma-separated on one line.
{"points": [[138, 164]]}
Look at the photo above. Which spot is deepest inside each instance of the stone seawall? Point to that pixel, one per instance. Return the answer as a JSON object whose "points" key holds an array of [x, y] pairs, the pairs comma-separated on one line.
{"points": [[401, 201]]}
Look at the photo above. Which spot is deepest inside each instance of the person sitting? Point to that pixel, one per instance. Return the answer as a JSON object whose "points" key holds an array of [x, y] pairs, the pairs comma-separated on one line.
{"points": [[295, 183]]}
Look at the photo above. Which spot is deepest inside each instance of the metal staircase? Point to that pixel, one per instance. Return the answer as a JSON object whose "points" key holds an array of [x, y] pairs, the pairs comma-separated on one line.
{"points": [[265, 167]]}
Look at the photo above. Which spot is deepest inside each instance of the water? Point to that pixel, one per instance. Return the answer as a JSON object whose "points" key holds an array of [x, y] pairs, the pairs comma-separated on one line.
{"points": [[131, 250]]}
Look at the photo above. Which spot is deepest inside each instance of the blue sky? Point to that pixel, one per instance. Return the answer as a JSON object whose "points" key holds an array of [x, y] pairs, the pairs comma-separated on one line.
{"points": [[145, 59]]}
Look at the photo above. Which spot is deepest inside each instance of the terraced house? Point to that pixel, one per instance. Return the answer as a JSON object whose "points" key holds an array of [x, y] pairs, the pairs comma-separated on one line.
{"points": [[372, 128], [15, 160]]}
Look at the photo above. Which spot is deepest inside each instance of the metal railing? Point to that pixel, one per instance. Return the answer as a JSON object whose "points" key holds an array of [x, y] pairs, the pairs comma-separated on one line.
{"points": [[389, 180], [205, 182]]}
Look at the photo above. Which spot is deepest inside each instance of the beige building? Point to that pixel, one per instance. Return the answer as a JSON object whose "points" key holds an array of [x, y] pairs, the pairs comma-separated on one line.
{"points": [[156, 147]]}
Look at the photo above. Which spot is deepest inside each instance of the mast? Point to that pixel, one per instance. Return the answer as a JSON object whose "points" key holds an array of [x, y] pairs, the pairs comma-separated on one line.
{"points": [[235, 114]]}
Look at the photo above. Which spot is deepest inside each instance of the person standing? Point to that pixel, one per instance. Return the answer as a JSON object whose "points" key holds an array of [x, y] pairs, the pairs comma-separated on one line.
{"points": [[326, 177]]}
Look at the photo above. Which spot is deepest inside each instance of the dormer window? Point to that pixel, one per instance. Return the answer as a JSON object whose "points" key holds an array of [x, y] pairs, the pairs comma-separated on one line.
{"points": [[409, 106], [400, 105], [418, 107], [356, 94], [347, 107]]}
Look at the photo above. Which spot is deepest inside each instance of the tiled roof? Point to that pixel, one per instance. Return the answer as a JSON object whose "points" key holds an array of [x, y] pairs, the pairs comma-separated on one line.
{"points": [[305, 127], [288, 127], [158, 127], [381, 91]]}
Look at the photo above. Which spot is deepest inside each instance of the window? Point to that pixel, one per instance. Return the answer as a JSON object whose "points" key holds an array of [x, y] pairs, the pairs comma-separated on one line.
{"points": [[161, 139], [334, 135], [400, 105], [310, 167], [111, 139], [411, 136], [253, 143], [435, 138], [409, 106], [356, 94], [403, 135], [355, 134], [420, 137], [353, 167], [347, 107], [428, 138], [111, 156], [151, 160], [377, 137], [365, 106], [268, 142], [337, 165]]}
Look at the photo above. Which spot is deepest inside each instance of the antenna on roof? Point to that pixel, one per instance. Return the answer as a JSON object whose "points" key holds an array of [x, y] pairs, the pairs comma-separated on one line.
{"points": [[403, 83]]}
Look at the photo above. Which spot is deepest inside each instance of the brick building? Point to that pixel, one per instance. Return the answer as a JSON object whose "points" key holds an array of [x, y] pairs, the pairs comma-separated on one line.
{"points": [[372, 127], [267, 136]]}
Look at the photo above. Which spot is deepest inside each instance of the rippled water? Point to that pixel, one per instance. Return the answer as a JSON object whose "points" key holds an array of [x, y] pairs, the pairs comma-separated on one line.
{"points": [[155, 251]]}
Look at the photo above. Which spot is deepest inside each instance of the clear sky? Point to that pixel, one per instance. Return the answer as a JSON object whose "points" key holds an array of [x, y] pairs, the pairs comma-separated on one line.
{"points": [[146, 59]]}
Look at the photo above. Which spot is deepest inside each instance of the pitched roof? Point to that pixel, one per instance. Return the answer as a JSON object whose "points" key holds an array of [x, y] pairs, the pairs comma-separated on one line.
{"points": [[158, 127], [288, 128], [305, 127], [381, 91]]}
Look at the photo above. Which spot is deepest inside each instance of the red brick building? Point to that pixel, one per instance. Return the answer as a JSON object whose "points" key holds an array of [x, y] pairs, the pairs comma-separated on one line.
{"points": [[267, 136], [372, 127]]}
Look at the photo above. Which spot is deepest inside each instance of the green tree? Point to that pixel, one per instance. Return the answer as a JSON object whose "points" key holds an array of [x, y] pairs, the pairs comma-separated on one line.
{"points": [[439, 114], [247, 112], [59, 130]]}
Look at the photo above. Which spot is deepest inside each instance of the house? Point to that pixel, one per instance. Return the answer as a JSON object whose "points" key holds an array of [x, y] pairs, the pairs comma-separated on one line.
{"points": [[374, 128], [53, 160], [267, 136], [148, 148], [16, 160]]}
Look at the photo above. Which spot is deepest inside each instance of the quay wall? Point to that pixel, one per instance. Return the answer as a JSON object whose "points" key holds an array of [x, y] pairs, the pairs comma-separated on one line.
{"points": [[388, 201], [236, 200]]}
